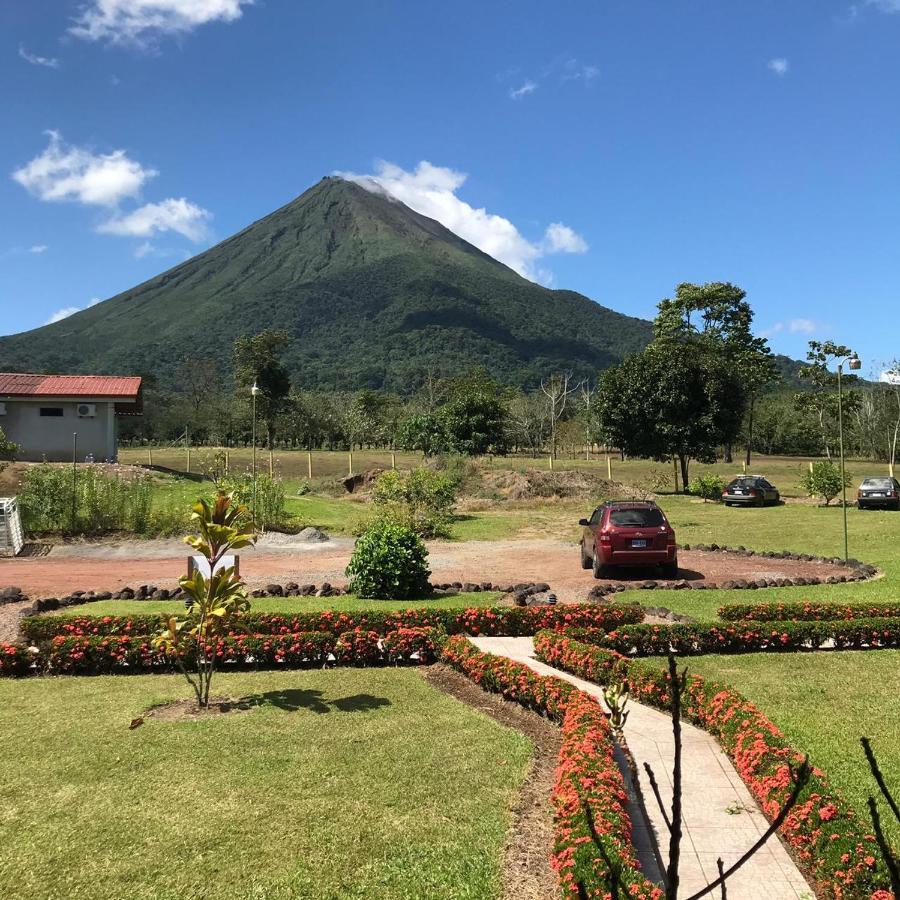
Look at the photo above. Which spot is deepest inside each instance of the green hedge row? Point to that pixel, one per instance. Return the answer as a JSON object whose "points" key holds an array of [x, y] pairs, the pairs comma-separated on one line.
{"points": [[486, 620], [807, 612]]}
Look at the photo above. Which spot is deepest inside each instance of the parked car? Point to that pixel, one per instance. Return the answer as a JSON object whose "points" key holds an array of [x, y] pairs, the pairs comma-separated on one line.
{"points": [[750, 490], [628, 533], [879, 491]]}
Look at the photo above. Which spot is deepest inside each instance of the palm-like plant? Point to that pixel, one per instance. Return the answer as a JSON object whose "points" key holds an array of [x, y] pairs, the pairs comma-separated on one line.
{"points": [[214, 602]]}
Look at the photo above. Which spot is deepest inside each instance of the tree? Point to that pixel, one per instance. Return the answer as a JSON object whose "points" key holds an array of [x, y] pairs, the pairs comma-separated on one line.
{"points": [[214, 602], [824, 480], [671, 400], [821, 400], [717, 316], [557, 389], [527, 418], [424, 432], [474, 415], [891, 378], [257, 360]]}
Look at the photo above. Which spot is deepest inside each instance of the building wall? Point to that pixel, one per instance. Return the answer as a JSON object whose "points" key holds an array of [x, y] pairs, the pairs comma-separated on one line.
{"points": [[50, 437]]}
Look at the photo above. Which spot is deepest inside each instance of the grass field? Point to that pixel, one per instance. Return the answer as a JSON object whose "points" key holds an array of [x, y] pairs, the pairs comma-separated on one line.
{"points": [[286, 605], [344, 783], [824, 702]]}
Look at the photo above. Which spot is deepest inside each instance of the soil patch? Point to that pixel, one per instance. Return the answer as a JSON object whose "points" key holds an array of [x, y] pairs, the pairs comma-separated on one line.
{"points": [[542, 484], [527, 873], [187, 710]]}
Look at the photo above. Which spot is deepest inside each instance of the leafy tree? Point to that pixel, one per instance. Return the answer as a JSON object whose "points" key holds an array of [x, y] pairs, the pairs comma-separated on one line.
{"points": [[821, 400], [474, 415], [423, 499], [669, 401], [707, 486], [257, 359], [717, 316], [214, 603], [824, 480], [424, 432], [557, 389]]}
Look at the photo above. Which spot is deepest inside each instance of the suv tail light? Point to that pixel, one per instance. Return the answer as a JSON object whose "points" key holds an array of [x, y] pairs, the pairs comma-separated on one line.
{"points": [[605, 538], [860, 493]]}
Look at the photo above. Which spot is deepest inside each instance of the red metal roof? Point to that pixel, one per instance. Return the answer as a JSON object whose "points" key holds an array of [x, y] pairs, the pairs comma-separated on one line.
{"points": [[112, 387]]}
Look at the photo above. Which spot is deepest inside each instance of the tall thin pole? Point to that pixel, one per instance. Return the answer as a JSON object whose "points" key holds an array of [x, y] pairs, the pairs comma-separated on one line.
{"points": [[840, 369], [253, 391], [74, 478]]}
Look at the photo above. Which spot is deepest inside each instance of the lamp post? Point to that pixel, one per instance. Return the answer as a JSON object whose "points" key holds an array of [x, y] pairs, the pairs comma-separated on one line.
{"points": [[854, 364], [253, 392]]}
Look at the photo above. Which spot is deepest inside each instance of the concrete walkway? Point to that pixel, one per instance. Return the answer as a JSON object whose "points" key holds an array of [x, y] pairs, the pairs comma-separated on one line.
{"points": [[720, 818]]}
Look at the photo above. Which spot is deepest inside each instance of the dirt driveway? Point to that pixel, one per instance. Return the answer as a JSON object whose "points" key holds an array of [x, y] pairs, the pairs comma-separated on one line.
{"points": [[111, 566]]}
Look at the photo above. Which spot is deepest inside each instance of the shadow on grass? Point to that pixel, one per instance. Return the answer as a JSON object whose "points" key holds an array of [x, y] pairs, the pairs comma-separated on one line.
{"points": [[294, 699]]}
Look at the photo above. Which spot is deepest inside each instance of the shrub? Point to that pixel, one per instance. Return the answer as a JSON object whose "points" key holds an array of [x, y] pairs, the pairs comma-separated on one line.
{"points": [[707, 486], [481, 620], [807, 612], [270, 510], [357, 648], [423, 499], [424, 643], [389, 562], [824, 480], [15, 660], [826, 837], [8, 449]]}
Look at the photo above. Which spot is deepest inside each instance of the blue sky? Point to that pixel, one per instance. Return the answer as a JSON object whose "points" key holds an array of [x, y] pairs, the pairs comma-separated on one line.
{"points": [[614, 148]]}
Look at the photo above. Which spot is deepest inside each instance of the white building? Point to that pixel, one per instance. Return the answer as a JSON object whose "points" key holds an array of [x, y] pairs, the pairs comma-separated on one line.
{"points": [[53, 416]]}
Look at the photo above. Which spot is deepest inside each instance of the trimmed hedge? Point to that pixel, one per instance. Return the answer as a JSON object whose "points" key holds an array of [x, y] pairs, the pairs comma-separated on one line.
{"points": [[745, 637], [112, 654], [586, 774], [15, 660], [837, 850], [807, 612], [486, 620]]}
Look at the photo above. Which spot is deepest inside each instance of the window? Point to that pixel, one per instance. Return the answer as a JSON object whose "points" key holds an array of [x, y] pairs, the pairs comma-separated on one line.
{"points": [[597, 516], [53, 411], [636, 518]]}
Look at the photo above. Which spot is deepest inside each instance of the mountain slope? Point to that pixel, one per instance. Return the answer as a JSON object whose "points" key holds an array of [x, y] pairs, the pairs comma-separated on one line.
{"points": [[373, 293]]}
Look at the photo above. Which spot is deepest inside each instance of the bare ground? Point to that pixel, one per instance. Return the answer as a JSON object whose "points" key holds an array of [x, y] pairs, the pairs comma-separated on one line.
{"points": [[111, 566], [527, 873]]}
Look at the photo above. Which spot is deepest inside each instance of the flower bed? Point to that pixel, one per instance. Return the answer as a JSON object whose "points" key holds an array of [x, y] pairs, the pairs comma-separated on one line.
{"points": [[112, 654], [485, 620], [586, 774], [746, 637], [807, 612], [835, 848]]}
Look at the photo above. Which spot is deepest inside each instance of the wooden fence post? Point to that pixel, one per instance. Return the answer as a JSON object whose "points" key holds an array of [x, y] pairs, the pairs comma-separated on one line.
{"points": [[309, 464]]}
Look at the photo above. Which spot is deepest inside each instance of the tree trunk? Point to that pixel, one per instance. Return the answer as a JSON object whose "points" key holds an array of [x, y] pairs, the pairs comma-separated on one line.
{"points": [[683, 462], [729, 454], [750, 431]]}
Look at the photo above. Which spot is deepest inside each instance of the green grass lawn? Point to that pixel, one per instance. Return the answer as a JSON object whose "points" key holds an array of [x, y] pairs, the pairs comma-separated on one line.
{"points": [[342, 783], [824, 702], [348, 603]]}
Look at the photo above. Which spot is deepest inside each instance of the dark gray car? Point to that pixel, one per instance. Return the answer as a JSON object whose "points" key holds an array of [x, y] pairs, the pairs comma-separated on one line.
{"points": [[880, 491], [750, 490]]}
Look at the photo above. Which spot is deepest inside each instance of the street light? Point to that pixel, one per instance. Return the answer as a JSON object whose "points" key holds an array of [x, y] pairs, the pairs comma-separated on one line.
{"points": [[253, 392], [854, 364]]}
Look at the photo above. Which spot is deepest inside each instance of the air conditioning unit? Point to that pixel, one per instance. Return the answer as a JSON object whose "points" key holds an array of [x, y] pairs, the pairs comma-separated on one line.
{"points": [[87, 410], [2, 408]]}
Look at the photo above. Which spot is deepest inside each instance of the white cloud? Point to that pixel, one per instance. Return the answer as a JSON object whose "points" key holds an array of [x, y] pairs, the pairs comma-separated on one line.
{"points": [[573, 70], [64, 172], [559, 238], [67, 311], [779, 66], [141, 21], [890, 376], [431, 191], [529, 87], [887, 6], [38, 248], [35, 60], [802, 326], [179, 215], [143, 250]]}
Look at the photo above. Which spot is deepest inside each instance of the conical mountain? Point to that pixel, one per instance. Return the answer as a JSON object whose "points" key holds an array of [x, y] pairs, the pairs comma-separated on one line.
{"points": [[373, 294]]}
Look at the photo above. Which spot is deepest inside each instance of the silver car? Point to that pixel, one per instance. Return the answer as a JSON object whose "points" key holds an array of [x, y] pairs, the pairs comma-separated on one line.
{"points": [[750, 490]]}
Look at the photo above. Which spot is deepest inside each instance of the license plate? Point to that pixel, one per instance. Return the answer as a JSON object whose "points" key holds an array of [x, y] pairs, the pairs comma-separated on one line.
{"points": [[738, 492], [876, 495], [638, 543]]}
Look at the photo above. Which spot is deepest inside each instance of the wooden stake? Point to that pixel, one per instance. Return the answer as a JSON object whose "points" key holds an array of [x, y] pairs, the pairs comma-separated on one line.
{"points": [[189, 460], [350, 462], [675, 468], [609, 467], [551, 462], [227, 461], [271, 464], [150, 457], [309, 465], [393, 460]]}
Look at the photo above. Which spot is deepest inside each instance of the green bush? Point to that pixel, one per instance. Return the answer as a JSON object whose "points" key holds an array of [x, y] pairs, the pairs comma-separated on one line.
{"points": [[8, 449], [824, 480], [707, 486], [389, 562], [422, 500], [270, 508]]}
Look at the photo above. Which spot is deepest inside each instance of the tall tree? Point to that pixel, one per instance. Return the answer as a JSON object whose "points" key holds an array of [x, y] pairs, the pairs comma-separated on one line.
{"points": [[474, 415], [718, 318], [557, 389], [257, 359]]}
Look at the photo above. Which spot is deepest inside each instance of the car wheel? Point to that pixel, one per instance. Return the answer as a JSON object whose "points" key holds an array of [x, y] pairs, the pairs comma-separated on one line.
{"points": [[760, 502], [728, 503], [670, 570], [586, 561], [597, 567]]}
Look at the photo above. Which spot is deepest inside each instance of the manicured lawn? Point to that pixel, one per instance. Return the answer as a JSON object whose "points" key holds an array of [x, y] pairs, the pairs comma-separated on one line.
{"points": [[343, 783], [824, 702], [286, 605]]}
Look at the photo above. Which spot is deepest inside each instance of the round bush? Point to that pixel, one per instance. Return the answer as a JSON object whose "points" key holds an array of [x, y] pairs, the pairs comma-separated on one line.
{"points": [[389, 562]]}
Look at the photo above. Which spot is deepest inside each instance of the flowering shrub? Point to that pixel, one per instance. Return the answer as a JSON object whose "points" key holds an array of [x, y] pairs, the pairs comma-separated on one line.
{"points": [[587, 774], [484, 620], [745, 637], [400, 645], [15, 660], [357, 648], [807, 611], [839, 854]]}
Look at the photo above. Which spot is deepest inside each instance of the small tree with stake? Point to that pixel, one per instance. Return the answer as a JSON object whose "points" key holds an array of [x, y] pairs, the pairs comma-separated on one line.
{"points": [[214, 603]]}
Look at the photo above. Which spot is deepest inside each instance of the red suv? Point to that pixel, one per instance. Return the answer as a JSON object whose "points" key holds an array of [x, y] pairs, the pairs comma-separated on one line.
{"points": [[628, 533]]}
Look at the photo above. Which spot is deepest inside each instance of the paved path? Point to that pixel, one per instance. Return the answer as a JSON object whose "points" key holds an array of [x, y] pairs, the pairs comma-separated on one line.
{"points": [[720, 817]]}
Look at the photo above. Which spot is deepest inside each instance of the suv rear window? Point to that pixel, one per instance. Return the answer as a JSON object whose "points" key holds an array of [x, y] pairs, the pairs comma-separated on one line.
{"points": [[636, 518]]}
